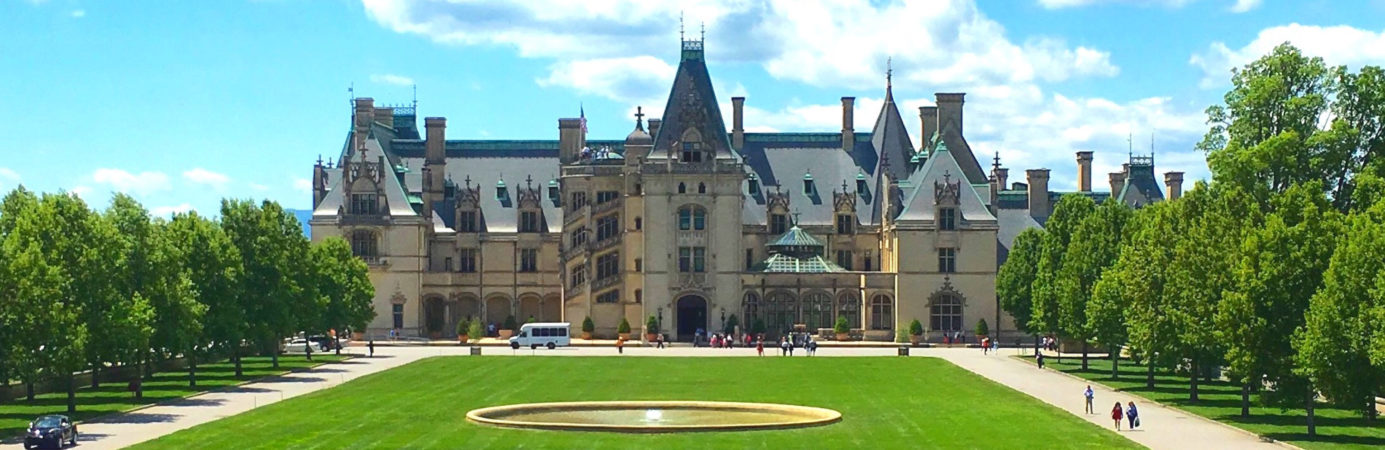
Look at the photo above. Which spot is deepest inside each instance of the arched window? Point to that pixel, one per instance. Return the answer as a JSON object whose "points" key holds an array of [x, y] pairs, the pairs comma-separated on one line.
{"points": [[849, 306], [702, 188], [692, 218], [817, 310], [881, 312], [364, 245], [682, 188], [781, 312], [750, 310], [945, 314]]}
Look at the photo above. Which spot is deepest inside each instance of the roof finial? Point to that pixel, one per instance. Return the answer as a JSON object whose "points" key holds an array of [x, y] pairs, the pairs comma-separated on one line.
{"points": [[319, 159], [681, 36], [639, 117], [996, 165], [415, 99], [1130, 144], [703, 37], [889, 72], [529, 181], [795, 217]]}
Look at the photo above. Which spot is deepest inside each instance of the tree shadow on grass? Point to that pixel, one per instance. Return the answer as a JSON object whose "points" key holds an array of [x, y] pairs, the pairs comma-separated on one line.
{"points": [[1372, 441], [135, 417]]}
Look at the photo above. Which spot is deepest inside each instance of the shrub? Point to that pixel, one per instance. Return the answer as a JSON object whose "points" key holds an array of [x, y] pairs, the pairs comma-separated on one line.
{"points": [[731, 323], [530, 320], [981, 328], [900, 335], [474, 330], [587, 325], [510, 323], [624, 326], [916, 328], [464, 327], [842, 327], [651, 326]]}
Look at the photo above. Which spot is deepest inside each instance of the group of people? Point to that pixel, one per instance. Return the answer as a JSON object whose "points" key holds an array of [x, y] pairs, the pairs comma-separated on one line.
{"points": [[1050, 344], [989, 345], [786, 346], [1118, 412]]}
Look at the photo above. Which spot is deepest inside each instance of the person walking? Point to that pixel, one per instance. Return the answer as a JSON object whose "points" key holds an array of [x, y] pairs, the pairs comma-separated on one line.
{"points": [[620, 346], [1090, 396], [760, 347], [986, 346], [1132, 416], [812, 347], [1116, 415], [660, 340], [1040, 358], [371, 345]]}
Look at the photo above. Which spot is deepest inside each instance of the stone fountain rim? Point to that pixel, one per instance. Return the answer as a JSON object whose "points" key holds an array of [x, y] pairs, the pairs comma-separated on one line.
{"points": [[806, 416]]}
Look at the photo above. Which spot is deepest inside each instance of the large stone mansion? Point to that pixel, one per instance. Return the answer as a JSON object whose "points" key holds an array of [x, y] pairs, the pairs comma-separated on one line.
{"points": [[687, 220]]}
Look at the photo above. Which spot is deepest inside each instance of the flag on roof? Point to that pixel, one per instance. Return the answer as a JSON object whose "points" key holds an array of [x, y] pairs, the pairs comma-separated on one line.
{"points": [[583, 113]]}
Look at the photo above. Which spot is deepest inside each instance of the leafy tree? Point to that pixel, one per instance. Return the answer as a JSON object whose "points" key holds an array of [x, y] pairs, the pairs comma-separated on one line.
{"points": [[1015, 280], [1094, 247], [343, 283], [1046, 291], [271, 256], [1338, 349], [11, 208], [212, 265], [1141, 275], [153, 288]]}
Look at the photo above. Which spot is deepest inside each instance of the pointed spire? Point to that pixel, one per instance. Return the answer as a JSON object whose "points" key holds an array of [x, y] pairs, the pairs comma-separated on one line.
{"points": [[639, 118]]}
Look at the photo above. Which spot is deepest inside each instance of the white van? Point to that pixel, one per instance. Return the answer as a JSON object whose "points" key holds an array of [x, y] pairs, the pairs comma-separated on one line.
{"points": [[535, 335]]}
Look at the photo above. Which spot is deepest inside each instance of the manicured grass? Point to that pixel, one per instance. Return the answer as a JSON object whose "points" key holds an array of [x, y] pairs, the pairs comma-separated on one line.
{"points": [[111, 397], [1221, 401], [885, 402]]}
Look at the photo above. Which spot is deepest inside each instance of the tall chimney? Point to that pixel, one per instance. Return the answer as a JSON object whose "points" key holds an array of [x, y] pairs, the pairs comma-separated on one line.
{"points": [[385, 116], [848, 123], [1084, 171], [434, 161], [1038, 192], [654, 127], [569, 140], [1117, 182], [1173, 181], [1001, 176], [363, 116], [950, 110], [928, 115], [319, 183], [738, 122]]}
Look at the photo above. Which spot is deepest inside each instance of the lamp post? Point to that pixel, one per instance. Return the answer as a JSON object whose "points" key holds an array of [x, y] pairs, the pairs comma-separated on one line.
{"points": [[661, 319], [723, 319]]}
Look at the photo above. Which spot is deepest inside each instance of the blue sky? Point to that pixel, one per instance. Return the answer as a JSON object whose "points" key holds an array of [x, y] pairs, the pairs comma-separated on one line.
{"points": [[183, 103]]}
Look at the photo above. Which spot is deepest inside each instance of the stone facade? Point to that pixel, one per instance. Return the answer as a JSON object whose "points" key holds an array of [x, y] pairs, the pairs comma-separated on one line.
{"points": [[687, 220]]}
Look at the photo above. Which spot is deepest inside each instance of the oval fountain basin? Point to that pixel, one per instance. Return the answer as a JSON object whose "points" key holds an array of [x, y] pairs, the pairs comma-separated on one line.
{"points": [[653, 416]]}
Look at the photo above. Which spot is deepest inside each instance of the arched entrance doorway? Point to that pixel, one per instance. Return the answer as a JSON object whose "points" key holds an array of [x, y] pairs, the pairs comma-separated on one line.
{"points": [[434, 316], [692, 314]]}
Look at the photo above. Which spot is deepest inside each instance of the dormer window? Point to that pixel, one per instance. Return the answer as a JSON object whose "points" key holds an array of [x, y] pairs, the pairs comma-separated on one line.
{"points": [[692, 152], [947, 219], [553, 191], [529, 222], [778, 223], [500, 193], [808, 188], [467, 221], [363, 204], [753, 184], [846, 224], [860, 182]]}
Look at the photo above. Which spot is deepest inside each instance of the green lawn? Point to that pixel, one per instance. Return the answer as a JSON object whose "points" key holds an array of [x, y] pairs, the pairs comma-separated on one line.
{"points": [[890, 402], [113, 397], [1221, 401]]}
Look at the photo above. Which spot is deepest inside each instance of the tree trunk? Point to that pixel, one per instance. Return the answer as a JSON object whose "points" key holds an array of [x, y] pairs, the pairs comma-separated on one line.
{"points": [[1149, 375], [1084, 355], [274, 357], [1115, 365], [235, 354], [192, 370], [1037, 343], [1308, 406], [29, 391], [1192, 383], [95, 375], [1245, 398], [71, 393]]}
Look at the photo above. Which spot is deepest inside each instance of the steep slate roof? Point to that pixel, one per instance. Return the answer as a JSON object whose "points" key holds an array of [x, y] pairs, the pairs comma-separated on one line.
{"points": [[942, 166], [890, 139], [395, 195], [691, 101], [782, 159], [951, 134], [1140, 186]]}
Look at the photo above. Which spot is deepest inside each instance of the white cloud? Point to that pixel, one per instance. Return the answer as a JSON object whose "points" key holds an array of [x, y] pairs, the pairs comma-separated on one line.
{"points": [[302, 185], [1059, 4], [623, 79], [206, 177], [8, 177], [1245, 6], [167, 211], [1337, 45], [79, 13], [392, 79], [141, 183], [258, 187]]}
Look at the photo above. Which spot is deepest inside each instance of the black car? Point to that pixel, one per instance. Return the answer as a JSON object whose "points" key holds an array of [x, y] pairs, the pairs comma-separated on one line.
{"points": [[52, 430]]}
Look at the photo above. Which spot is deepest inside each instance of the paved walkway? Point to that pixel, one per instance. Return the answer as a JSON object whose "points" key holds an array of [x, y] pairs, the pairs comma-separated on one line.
{"points": [[1162, 428]]}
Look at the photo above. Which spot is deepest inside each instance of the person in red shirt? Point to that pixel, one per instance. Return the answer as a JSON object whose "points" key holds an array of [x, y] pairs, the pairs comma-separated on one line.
{"points": [[1116, 414], [760, 347]]}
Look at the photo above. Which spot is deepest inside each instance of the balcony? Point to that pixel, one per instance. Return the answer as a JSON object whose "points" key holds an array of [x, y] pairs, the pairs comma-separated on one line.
{"points": [[604, 244], [605, 282], [579, 250], [571, 216], [363, 219], [374, 260], [603, 207]]}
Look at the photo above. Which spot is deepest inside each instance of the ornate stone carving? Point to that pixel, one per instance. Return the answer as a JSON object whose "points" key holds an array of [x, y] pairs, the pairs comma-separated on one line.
{"points": [[947, 192]]}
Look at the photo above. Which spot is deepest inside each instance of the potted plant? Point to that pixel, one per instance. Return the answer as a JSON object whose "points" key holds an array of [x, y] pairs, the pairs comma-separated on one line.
{"points": [[842, 328], [509, 329], [475, 330], [731, 323], [651, 329], [915, 332], [588, 327], [901, 335], [463, 328], [623, 330], [982, 330]]}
